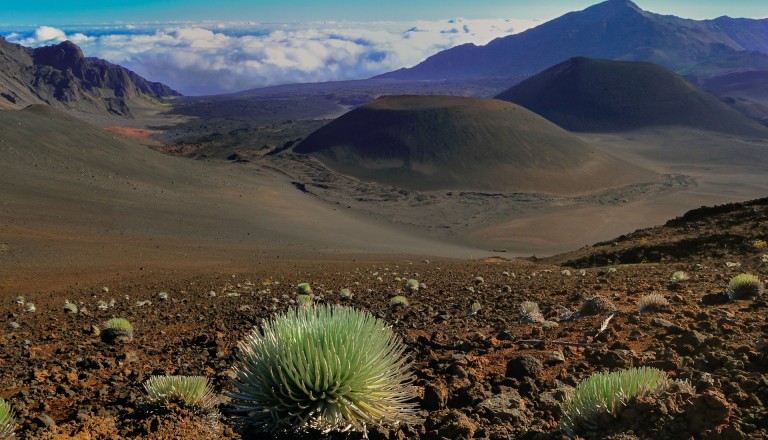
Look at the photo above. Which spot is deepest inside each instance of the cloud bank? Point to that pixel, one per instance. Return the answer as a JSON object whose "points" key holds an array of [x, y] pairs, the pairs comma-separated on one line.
{"points": [[214, 58]]}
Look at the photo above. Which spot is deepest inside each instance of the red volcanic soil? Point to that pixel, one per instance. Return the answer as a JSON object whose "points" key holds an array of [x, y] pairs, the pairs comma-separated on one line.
{"points": [[143, 137], [488, 375]]}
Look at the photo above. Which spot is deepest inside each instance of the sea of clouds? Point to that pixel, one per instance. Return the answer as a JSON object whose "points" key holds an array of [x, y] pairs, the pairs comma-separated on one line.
{"points": [[214, 58]]}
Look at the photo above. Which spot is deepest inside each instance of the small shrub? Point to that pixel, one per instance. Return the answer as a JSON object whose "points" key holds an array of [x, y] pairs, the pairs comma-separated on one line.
{"points": [[117, 329], [679, 276], [345, 293], [325, 367], [744, 286], [412, 285], [190, 392], [70, 307], [530, 312], [398, 301], [760, 244], [474, 308], [20, 300], [30, 307], [565, 272], [304, 289], [163, 296], [607, 393], [102, 305], [7, 422], [652, 303]]}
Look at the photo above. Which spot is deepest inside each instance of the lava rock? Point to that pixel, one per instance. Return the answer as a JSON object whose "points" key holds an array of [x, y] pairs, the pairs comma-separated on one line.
{"points": [[523, 366]]}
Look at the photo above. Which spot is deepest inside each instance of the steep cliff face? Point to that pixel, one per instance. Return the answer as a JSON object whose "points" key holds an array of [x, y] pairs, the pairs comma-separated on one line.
{"points": [[62, 77]]}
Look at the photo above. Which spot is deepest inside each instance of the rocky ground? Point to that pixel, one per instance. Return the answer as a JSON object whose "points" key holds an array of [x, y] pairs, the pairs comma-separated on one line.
{"points": [[488, 375]]}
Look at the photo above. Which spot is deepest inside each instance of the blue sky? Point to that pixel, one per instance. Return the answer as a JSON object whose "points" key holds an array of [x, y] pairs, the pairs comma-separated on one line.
{"points": [[219, 46], [106, 11]]}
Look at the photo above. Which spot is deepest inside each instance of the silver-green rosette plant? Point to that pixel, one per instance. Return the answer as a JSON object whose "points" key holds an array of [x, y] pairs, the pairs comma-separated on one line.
{"points": [[745, 285], [652, 302], [191, 392], [116, 330], [323, 367], [412, 285], [607, 393], [7, 422], [398, 302]]}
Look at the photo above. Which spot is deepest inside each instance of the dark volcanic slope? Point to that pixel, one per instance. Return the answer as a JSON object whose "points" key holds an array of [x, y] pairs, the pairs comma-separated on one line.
{"points": [[733, 230], [62, 77], [614, 29], [430, 142], [584, 94], [748, 85]]}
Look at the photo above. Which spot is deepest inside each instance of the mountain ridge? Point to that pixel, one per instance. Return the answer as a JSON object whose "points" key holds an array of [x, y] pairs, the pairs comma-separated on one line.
{"points": [[63, 77], [614, 29]]}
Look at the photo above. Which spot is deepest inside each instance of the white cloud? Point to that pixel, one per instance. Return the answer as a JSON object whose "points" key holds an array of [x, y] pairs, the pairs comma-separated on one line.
{"points": [[207, 58]]}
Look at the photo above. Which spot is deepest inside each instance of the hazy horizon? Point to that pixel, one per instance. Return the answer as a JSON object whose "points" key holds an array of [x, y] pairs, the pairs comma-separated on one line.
{"points": [[200, 48]]}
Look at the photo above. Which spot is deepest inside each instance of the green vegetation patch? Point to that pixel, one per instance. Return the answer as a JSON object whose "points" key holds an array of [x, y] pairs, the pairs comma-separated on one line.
{"points": [[603, 393], [324, 367]]}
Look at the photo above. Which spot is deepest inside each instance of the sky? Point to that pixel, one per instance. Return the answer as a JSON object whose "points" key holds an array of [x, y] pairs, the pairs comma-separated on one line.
{"points": [[218, 46]]}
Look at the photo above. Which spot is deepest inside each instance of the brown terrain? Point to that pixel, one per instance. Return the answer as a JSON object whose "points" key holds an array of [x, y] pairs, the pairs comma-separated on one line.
{"points": [[487, 375], [227, 203], [84, 209]]}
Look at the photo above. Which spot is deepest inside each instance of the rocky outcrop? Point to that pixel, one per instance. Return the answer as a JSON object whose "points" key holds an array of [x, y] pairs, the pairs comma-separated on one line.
{"points": [[62, 77]]}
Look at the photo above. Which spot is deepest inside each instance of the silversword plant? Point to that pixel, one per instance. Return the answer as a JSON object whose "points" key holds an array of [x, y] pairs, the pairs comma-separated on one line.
{"points": [[191, 392], [607, 393], [7, 421], [652, 302], [324, 367], [117, 329], [745, 286]]}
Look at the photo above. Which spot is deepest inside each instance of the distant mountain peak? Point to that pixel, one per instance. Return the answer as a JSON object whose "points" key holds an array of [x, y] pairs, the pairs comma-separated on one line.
{"points": [[616, 7], [59, 56], [61, 76], [612, 29]]}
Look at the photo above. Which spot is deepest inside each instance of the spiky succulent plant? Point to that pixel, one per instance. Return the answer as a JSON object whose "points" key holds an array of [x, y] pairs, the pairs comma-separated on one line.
{"points": [[117, 328], [745, 286], [191, 392], [603, 393], [398, 301], [651, 303], [412, 285], [325, 367], [7, 422]]}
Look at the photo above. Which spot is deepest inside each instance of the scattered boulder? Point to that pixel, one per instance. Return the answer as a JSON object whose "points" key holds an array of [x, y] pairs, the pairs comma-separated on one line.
{"points": [[523, 366]]}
